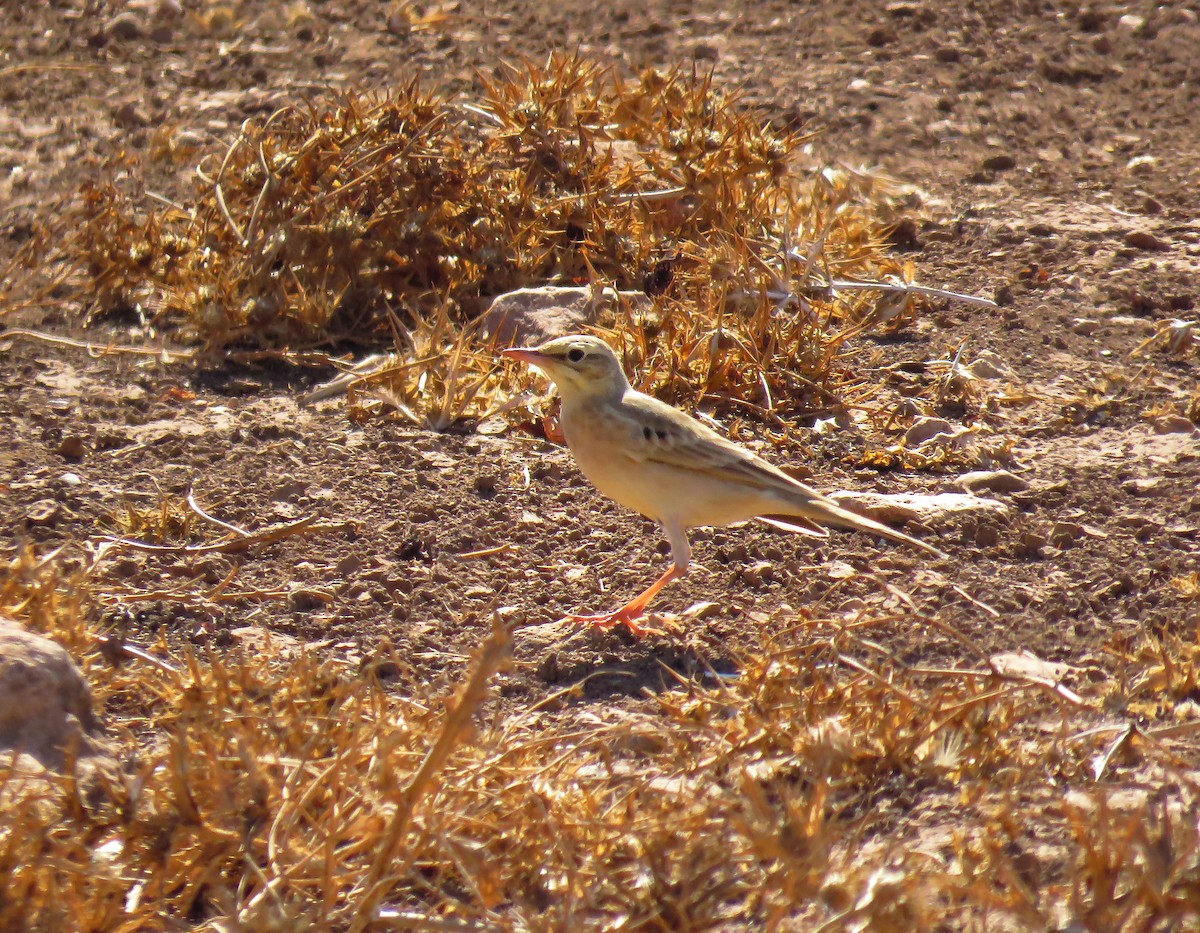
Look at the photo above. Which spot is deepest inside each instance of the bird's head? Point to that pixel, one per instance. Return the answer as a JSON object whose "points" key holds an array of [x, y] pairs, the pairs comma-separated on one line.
{"points": [[582, 367]]}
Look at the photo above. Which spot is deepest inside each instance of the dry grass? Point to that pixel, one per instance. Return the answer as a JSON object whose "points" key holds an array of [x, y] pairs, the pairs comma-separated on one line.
{"points": [[367, 219], [828, 787], [822, 787]]}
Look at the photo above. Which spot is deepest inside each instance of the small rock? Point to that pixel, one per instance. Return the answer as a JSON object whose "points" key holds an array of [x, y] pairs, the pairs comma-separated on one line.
{"points": [[762, 571], [130, 116], [263, 642], [43, 513], [1142, 487], [994, 480], [1001, 162], [986, 535], [948, 55], [1173, 424], [438, 460], [529, 316], [700, 610], [72, 447], [547, 668], [927, 429], [1064, 535], [1141, 165], [1135, 521], [1131, 23], [904, 507], [1144, 239], [1031, 544], [349, 565], [988, 366], [879, 37], [124, 27], [307, 601], [1085, 326], [45, 703]]}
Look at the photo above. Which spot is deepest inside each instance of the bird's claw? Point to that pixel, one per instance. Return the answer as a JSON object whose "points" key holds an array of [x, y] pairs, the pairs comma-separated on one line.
{"points": [[605, 621]]}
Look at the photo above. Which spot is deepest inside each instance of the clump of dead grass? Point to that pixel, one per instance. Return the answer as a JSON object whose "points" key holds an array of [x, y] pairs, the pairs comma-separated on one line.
{"points": [[822, 787], [337, 219]]}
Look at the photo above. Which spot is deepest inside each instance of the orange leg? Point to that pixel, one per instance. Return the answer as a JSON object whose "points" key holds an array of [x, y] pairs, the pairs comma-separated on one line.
{"points": [[633, 610], [628, 615]]}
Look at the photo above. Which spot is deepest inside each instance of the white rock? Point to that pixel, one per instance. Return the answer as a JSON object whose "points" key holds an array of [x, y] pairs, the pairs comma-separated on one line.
{"points": [[902, 507], [530, 316]]}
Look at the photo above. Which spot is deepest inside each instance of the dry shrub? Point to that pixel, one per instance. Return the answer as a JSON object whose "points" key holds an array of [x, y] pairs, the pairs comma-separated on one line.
{"points": [[332, 220], [264, 792]]}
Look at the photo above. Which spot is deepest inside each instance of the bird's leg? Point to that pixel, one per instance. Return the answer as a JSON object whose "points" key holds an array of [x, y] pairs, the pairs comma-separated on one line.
{"points": [[628, 615]]}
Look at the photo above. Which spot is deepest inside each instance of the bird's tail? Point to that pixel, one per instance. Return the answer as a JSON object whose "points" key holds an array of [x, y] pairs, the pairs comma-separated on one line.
{"points": [[822, 511]]}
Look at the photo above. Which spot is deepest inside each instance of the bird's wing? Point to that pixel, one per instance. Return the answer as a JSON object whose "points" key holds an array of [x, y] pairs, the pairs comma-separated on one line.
{"points": [[658, 433], [662, 434]]}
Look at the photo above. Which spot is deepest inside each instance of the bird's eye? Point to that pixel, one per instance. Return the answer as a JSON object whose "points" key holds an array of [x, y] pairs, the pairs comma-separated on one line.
{"points": [[575, 355]]}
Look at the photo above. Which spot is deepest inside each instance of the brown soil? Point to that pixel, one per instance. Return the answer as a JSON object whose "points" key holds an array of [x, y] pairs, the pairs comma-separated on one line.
{"points": [[1060, 157]]}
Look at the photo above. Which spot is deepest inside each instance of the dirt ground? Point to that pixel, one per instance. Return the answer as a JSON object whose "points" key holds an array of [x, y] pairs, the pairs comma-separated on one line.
{"points": [[1059, 159]]}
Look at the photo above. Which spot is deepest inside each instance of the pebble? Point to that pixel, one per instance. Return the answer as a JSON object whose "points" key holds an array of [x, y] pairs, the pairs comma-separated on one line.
{"points": [[1001, 162], [1031, 544], [124, 27], [926, 429], [307, 601], [987, 535], [880, 36], [129, 115], [72, 447], [1173, 424], [1144, 239], [994, 480], [42, 513]]}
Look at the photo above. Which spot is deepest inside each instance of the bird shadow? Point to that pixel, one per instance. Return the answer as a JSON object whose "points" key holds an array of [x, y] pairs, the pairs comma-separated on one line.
{"points": [[615, 663]]}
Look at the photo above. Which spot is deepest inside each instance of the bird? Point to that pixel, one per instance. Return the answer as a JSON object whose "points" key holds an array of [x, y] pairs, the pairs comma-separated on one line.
{"points": [[661, 462]]}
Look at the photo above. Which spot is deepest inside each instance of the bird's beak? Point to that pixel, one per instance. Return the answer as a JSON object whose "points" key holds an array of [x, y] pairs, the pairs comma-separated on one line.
{"points": [[524, 354]]}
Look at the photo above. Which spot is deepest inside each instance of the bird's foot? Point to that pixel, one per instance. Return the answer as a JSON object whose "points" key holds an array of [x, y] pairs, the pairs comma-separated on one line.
{"points": [[606, 621]]}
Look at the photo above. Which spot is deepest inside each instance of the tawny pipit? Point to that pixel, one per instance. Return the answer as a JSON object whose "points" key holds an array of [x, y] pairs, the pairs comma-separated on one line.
{"points": [[653, 458]]}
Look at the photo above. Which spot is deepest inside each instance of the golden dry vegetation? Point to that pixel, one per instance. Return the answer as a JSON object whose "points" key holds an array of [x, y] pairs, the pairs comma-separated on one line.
{"points": [[283, 790]]}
